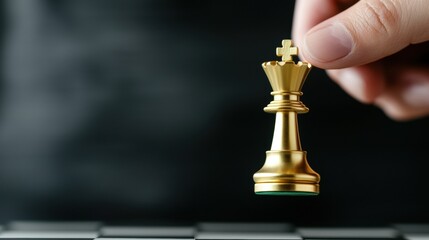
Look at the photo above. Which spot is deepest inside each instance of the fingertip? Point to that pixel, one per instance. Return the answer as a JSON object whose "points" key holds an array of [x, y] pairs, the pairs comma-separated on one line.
{"points": [[307, 14], [327, 43]]}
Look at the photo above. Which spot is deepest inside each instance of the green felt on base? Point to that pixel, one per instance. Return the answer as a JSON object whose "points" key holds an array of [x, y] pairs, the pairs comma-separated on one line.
{"points": [[276, 193]]}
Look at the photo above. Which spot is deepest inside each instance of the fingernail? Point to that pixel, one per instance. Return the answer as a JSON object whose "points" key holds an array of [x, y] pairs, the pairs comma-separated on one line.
{"points": [[329, 43]]}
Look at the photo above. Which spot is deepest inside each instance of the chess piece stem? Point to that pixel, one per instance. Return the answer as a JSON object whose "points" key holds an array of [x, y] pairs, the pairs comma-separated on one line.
{"points": [[285, 132]]}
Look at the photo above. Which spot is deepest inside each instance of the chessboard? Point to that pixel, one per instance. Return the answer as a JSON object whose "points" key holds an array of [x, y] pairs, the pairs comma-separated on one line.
{"points": [[21, 230]]}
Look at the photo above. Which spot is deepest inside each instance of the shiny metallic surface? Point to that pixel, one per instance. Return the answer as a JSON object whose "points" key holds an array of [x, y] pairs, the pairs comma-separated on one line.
{"points": [[286, 170]]}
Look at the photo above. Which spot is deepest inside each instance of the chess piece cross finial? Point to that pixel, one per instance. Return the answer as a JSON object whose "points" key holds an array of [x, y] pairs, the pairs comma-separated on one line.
{"points": [[286, 51]]}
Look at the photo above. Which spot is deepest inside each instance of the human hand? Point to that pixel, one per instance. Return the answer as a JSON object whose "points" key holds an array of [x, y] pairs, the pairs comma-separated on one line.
{"points": [[376, 50]]}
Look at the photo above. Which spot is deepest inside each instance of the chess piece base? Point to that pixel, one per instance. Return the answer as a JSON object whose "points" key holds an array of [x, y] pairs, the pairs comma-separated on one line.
{"points": [[286, 172], [287, 189]]}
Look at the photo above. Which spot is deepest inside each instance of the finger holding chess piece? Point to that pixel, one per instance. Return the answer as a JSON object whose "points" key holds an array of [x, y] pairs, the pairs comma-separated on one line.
{"points": [[286, 171]]}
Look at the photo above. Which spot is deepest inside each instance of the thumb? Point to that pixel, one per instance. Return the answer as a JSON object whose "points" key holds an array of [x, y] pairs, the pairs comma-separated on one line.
{"points": [[366, 32]]}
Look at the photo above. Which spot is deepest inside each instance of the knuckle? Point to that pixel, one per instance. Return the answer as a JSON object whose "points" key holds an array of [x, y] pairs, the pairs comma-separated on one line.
{"points": [[382, 16], [395, 109], [398, 115]]}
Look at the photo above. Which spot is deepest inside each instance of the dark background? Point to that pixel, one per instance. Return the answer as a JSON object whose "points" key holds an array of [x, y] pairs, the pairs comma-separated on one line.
{"points": [[152, 111]]}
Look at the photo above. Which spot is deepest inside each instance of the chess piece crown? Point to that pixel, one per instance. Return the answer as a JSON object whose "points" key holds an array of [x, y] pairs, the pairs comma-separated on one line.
{"points": [[286, 171]]}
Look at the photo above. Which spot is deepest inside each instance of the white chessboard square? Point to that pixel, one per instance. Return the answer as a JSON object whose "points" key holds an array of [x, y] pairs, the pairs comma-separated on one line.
{"points": [[53, 226], [416, 236], [49, 234], [348, 232]]}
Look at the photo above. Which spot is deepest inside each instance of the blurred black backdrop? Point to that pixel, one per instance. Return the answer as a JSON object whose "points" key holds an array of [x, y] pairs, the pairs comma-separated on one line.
{"points": [[152, 110]]}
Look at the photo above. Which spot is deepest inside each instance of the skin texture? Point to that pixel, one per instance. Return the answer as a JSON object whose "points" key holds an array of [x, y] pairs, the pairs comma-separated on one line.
{"points": [[376, 50]]}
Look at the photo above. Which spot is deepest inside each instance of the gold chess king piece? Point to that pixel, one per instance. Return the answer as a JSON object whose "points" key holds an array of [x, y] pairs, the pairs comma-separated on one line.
{"points": [[286, 171]]}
